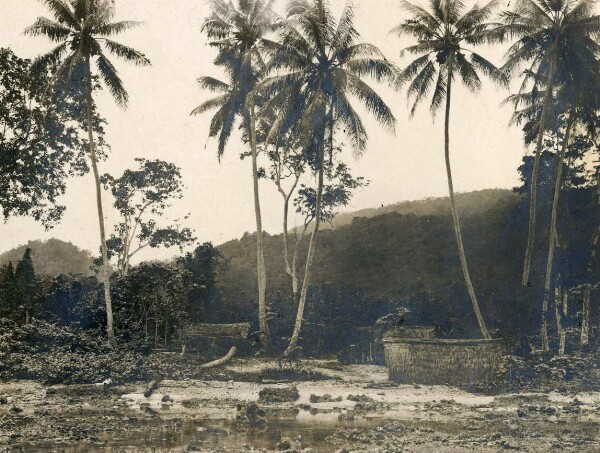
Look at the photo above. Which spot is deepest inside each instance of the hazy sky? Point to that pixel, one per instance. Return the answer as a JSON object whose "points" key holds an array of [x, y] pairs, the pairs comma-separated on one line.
{"points": [[406, 166]]}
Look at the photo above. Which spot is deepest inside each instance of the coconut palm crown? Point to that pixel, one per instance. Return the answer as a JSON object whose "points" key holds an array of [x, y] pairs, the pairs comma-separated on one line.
{"points": [[319, 66], [237, 30], [84, 30], [444, 34]]}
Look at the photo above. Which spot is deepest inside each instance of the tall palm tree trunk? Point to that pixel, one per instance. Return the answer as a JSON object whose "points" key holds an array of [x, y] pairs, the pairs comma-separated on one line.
{"points": [[553, 236], [265, 336], [456, 219], [309, 259], [105, 268], [534, 178]]}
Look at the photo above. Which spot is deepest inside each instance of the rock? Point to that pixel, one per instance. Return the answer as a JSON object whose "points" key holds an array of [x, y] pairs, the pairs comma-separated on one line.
{"points": [[166, 399], [550, 410], [3, 400], [253, 414], [324, 399], [279, 395], [284, 444], [360, 398]]}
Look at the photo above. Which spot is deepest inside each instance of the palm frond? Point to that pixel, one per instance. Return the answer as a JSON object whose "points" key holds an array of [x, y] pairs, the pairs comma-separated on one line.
{"points": [[217, 101], [489, 69], [374, 103], [51, 58], [212, 84], [422, 15], [468, 75], [439, 92], [53, 30], [379, 70], [126, 53], [411, 70], [354, 128], [115, 28], [62, 12], [475, 16], [109, 76], [419, 87]]}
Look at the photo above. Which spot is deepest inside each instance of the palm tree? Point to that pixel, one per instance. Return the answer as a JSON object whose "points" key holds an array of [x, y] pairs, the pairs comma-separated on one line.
{"points": [[550, 33], [442, 35], [576, 102], [84, 28], [318, 64], [238, 30]]}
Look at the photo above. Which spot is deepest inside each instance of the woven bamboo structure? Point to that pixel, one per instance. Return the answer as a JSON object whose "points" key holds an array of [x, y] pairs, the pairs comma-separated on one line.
{"points": [[238, 331], [438, 361], [410, 332]]}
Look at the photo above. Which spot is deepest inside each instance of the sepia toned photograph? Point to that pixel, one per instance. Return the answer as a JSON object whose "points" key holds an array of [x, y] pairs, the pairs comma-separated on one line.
{"points": [[299, 226]]}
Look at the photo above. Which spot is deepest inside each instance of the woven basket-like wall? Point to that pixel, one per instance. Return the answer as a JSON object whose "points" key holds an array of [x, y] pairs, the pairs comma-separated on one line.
{"points": [[438, 362], [410, 332]]}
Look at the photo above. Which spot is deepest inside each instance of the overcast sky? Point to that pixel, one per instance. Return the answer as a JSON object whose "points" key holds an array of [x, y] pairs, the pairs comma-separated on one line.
{"points": [[406, 166]]}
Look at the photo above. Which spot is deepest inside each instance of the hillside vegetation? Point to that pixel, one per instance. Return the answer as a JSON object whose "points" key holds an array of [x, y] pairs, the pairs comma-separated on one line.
{"points": [[468, 203], [53, 257], [372, 266]]}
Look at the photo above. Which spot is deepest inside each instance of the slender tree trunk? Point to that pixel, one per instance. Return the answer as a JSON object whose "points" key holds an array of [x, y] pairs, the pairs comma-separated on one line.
{"points": [[105, 267], [456, 219], [290, 267], [534, 178], [553, 234], [265, 336], [27, 317], [558, 313], [166, 328], [585, 316], [294, 274], [155, 332], [309, 258]]}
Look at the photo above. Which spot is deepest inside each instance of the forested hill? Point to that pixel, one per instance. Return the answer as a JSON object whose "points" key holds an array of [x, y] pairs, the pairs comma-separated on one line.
{"points": [[469, 203], [371, 265], [394, 254], [53, 257]]}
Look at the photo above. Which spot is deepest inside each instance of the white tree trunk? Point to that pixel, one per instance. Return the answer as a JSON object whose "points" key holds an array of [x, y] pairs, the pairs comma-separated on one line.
{"points": [[105, 265]]}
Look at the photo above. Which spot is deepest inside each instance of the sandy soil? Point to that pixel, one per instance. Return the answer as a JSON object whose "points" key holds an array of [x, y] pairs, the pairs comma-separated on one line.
{"points": [[355, 410]]}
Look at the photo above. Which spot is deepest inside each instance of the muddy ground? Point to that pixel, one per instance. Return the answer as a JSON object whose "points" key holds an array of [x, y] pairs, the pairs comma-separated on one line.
{"points": [[354, 409]]}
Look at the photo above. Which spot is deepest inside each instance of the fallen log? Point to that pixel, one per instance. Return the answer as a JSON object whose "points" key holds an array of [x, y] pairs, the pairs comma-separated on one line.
{"points": [[220, 361], [152, 387]]}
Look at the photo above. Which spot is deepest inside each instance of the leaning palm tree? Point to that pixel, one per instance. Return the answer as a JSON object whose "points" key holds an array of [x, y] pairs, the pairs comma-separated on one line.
{"points": [[318, 66], [83, 28], [237, 30], [549, 33], [443, 34]]}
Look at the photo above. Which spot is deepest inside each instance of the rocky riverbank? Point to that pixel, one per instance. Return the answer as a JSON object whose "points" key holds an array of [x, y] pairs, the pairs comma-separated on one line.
{"points": [[354, 409]]}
